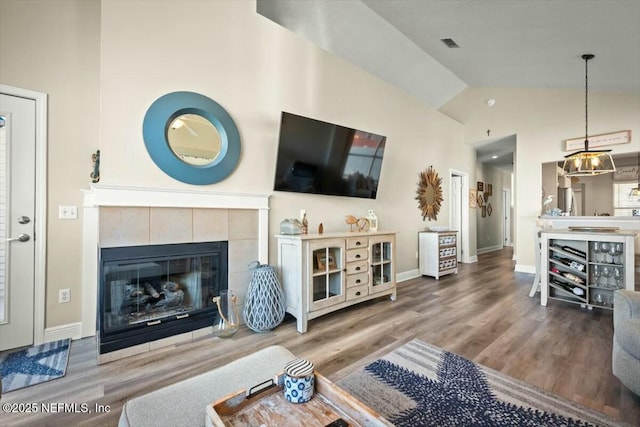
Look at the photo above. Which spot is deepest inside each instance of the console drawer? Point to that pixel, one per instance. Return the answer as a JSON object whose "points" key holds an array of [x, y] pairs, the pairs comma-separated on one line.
{"points": [[357, 292], [357, 279], [358, 267], [357, 254], [357, 242]]}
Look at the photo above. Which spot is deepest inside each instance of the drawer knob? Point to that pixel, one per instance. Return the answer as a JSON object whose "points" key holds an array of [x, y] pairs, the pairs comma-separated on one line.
{"points": [[358, 243], [357, 268], [358, 281], [358, 256], [358, 293]]}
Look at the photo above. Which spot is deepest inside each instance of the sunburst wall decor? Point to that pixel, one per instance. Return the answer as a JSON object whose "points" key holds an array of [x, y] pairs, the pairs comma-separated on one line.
{"points": [[429, 194]]}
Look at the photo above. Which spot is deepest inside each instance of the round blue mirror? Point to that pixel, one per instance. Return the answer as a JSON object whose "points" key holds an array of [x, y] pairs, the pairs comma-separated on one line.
{"points": [[191, 138]]}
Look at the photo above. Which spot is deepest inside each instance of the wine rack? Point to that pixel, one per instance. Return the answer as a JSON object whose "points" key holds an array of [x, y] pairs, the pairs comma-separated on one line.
{"points": [[586, 268]]}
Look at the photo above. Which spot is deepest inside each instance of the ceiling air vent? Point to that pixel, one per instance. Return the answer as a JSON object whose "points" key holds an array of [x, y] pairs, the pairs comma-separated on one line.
{"points": [[450, 43]]}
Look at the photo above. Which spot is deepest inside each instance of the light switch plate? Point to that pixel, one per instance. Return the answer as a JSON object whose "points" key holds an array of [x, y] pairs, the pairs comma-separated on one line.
{"points": [[67, 212]]}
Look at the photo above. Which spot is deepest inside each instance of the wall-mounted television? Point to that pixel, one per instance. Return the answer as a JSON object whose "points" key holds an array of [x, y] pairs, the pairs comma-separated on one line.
{"points": [[324, 158]]}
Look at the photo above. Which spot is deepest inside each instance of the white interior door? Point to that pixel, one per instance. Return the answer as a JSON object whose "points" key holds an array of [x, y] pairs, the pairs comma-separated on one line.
{"points": [[506, 222], [456, 211], [17, 220]]}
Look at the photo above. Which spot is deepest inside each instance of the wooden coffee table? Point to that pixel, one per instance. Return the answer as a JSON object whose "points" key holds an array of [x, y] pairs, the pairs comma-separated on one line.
{"points": [[270, 408]]}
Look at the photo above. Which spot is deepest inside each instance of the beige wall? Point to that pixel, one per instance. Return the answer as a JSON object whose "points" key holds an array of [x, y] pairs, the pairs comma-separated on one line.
{"points": [[54, 47], [542, 120], [106, 62]]}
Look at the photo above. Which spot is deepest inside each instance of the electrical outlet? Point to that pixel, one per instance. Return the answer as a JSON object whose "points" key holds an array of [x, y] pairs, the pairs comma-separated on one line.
{"points": [[67, 212], [64, 295]]}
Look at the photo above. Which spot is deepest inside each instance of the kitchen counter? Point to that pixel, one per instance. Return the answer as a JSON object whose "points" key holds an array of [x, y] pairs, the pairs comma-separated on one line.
{"points": [[596, 230]]}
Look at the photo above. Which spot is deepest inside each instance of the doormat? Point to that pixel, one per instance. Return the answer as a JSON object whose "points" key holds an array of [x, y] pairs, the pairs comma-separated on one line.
{"points": [[34, 365], [419, 384]]}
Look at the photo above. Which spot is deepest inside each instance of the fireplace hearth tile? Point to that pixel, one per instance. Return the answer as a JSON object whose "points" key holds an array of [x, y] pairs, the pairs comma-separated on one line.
{"points": [[241, 254], [124, 226], [171, 225], [243, 224], [210, 225], [239, 284]]}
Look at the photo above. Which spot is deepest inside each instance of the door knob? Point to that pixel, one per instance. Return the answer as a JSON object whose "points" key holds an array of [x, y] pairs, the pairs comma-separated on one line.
{"points": [[24, 237], [24, 220]]}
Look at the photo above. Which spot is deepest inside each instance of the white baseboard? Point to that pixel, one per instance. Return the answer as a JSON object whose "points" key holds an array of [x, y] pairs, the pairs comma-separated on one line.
{"points": [[407, 275], [70, 330], [489, 249], [522, 268], [470, 260]]}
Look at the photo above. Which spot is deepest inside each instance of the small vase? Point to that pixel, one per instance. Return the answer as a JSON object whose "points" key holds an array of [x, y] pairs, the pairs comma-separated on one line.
{"points": [[227, 320]]}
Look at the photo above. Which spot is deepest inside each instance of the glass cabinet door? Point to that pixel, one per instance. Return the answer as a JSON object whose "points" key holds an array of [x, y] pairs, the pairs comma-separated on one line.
{"points": [[382, 272], [327, 273]]}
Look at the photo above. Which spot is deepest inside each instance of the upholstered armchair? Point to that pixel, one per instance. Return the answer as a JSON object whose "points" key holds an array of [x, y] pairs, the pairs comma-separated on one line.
{"points": [[626, 338]]}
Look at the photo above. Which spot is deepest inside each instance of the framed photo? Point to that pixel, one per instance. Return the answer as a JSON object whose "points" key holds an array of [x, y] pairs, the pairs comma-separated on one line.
{"points": [[473, 198], [376, 253], [489, 209], [480, 200], [321, 260], [489, 191], [480, 186], [484, 211]]}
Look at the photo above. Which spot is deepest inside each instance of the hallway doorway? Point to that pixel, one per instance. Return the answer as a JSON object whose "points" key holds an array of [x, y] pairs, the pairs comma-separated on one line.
{"points": [[459, 212]]}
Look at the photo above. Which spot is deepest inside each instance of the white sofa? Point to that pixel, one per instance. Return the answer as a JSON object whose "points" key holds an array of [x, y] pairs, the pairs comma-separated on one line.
{"points": [[184, 403], [626, 338]]}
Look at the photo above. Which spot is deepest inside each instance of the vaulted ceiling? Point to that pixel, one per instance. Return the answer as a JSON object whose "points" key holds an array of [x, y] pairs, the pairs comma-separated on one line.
{"points": [[502, 43]]}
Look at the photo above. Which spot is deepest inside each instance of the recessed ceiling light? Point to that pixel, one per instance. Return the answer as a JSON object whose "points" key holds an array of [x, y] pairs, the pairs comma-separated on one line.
{"points": [[494, 157], [450, 43]]}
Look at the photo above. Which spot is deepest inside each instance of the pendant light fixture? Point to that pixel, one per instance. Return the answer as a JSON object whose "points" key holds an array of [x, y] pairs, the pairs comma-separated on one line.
{"points": [[588, 162]]}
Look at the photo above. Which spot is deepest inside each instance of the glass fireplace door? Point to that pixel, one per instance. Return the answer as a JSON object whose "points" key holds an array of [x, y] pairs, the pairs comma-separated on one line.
{"points": [[156, 286]]}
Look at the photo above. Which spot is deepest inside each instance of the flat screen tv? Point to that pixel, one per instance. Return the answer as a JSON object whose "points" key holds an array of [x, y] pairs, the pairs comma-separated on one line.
{"points": [[324, 158]]}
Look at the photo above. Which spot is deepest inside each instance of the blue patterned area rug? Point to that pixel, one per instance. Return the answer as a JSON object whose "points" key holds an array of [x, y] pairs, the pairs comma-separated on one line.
{"points": [[34, 365], [422, 385]]}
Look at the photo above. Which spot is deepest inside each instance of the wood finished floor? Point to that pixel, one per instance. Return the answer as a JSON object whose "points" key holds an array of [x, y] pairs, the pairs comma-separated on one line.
{"points": [[483, 313]]}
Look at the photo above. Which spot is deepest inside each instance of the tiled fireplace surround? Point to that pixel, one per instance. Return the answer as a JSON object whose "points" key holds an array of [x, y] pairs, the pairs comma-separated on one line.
{"points": [[131, 216]]}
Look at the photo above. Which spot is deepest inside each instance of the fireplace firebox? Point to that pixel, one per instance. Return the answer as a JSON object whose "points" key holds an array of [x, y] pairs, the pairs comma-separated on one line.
{"points": [[152, 292]]}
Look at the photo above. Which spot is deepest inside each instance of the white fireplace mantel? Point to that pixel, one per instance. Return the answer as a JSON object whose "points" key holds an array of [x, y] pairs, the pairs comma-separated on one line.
{"points": [[108, 195]]}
